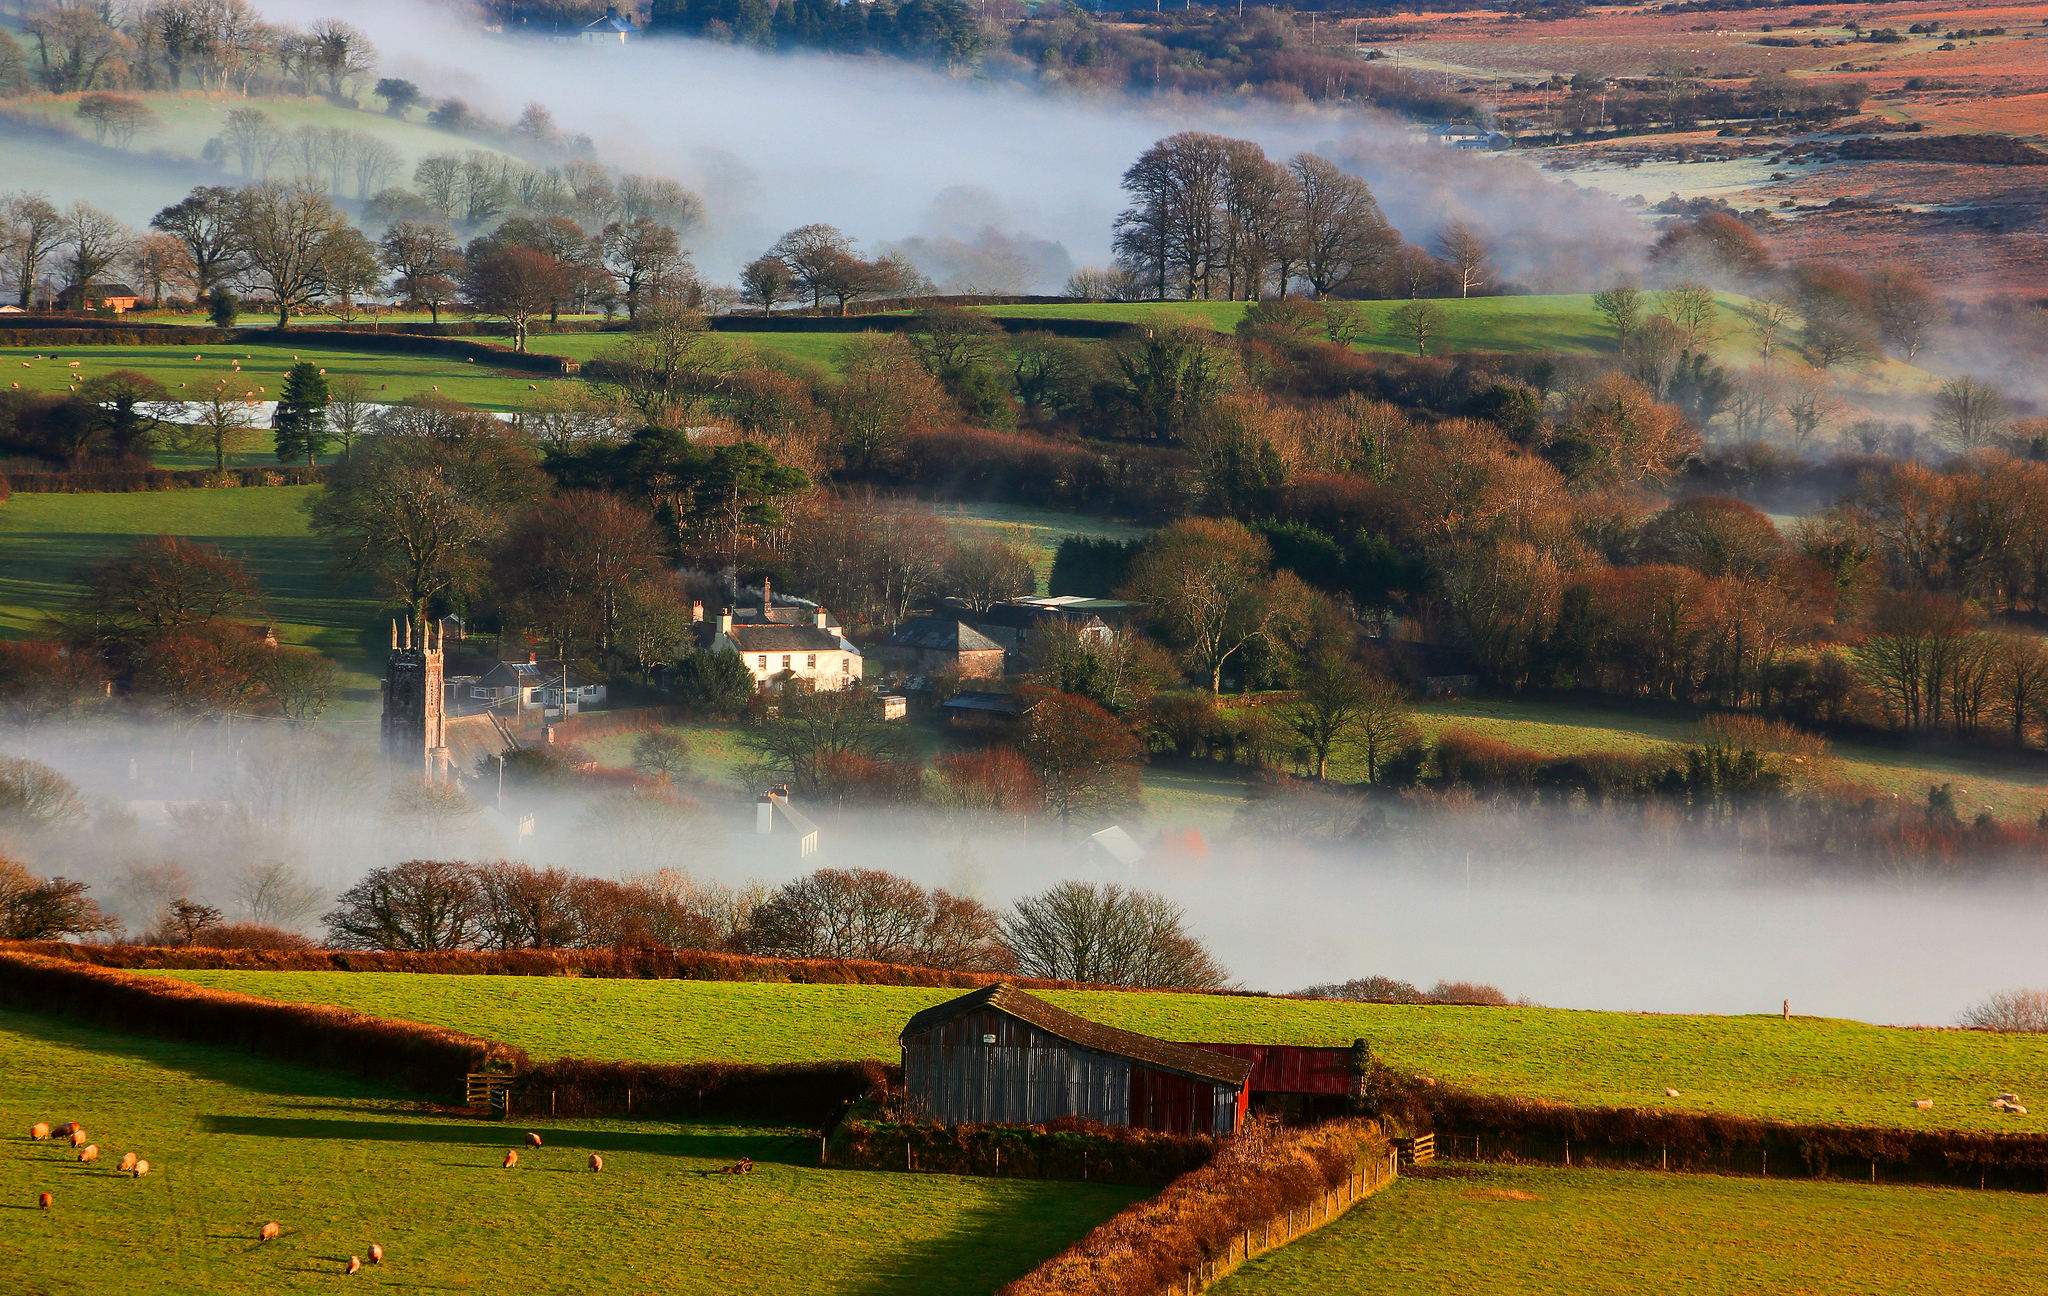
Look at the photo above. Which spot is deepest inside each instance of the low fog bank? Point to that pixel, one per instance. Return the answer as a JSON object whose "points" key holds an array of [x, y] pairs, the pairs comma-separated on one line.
{"points": [[1568, 924], [1663, 935], [964, 172]]}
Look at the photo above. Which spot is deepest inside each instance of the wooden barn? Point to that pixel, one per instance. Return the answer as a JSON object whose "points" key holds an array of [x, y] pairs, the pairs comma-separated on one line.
{"points": [[999, 1056], [1299, 1082]]}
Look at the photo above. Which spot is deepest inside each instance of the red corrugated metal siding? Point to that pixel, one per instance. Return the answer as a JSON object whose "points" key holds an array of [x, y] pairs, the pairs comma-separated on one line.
{"points": [[1292, 1068], [1178, 1104]]}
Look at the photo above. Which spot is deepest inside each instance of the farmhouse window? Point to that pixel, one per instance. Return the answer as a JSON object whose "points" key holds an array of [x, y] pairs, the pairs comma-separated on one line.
{"points": [[845, 665], [811, 661], [785, 661], [764, 661]]}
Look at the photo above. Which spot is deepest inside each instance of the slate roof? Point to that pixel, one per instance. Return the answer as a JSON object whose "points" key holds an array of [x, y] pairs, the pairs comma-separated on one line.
{"points": [[1184, 1058], [784, 638], [937, 634], [977, 700]]}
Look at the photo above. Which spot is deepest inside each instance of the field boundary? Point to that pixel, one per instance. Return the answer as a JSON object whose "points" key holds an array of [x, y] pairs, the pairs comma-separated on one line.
{"points": [[426, 1059], [646, 963], [1513, 1130], [128, 481], [1071, 1149], [1266, 1189]]}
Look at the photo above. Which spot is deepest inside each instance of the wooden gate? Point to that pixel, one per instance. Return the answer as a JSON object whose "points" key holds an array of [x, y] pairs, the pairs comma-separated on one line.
{"points": [[491, 1090]]}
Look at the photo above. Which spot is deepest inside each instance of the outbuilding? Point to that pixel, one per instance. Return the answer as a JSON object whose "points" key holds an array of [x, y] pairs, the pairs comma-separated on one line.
{"points": [[1000, 1056]]}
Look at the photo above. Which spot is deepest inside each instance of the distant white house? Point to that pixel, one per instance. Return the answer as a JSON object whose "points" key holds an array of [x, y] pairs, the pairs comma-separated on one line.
{"points": [[539, 684], [612, 29]]}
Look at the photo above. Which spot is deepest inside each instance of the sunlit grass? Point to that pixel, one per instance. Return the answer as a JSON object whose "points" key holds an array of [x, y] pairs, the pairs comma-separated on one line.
{"points": [[1807, 1069]]}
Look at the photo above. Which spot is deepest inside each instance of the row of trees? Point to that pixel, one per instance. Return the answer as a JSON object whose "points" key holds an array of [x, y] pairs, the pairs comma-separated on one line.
{"points": [[1073, 931], [217, 45], [1213, 217]]}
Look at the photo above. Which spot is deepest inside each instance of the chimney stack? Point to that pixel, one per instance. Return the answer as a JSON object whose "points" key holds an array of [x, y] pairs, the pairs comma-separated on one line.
{"points": [[725, 622], [767, 598], [821, 618], [696, 611]]}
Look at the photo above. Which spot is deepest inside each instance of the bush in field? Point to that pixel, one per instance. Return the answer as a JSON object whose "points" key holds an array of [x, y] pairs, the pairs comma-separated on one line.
{"points": [[40, 909], [1102, 932], [2010, 1010], [869, 914], [1372, 989]]}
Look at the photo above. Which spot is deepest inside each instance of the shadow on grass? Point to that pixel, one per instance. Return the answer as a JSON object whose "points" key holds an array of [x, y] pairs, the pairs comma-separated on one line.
{"points": [[996, 1240], [722, 1144], [218, 1063]]}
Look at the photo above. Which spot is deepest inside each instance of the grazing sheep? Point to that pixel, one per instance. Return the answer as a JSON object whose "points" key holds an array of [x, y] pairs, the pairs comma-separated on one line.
{"points": [[2004, 1097], [39, 1130], [532, 1139], [2016, 1109], [511, 1159], [141, 1169], [1923, 1103], [355, 1263], [127, 1162], [77, 1137], [1671, 1093], [45, 1201], [376, 1254], [91, 1153], [269, 1233], [64, 1130], [596, 1163]]}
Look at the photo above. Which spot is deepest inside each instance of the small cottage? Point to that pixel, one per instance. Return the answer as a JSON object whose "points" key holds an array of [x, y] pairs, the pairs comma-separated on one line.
{"points": [[936, 644], [539, 684], [1000, 1056]]}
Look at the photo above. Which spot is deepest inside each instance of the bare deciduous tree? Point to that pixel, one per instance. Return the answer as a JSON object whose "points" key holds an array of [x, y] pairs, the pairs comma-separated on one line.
{"points": [[1102, 932]]}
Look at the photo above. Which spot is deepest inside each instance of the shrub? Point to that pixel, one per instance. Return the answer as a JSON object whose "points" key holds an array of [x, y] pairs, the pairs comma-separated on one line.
{"points": [[252, 936], [2010, 1010], [1485, 763], [1372, 989]]}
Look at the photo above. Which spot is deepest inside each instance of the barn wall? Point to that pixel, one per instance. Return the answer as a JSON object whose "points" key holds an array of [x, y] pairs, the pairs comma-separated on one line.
{"points": [[1293, 1068], [1027, 1077], [1180, 1104]]}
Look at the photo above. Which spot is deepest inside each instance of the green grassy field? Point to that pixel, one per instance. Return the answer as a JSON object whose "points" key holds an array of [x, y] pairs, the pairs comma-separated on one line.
{"points": [[1808, 1069], [235, 1141], [1500, 1231], [392, 377], [46, 540], [1561, 729]]}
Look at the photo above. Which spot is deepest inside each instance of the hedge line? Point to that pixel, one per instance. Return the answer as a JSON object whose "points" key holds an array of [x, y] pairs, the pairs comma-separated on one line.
{"points": [[121, 480], [1525, 1129], [1071, 1149], [647, 964], [492, 353], [1200, 1217], [813, 1095], [426, 1059], [794, 323]]}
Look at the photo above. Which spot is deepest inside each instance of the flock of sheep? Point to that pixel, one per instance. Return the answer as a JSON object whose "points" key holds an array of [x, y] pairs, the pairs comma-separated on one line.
{"points": [[89, 1151]]}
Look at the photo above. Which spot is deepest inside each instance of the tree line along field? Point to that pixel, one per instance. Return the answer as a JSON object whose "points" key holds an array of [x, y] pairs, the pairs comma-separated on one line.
{"points": [[1808, 1069], [1512, 1231], [2013, 791], [235, 1142]]}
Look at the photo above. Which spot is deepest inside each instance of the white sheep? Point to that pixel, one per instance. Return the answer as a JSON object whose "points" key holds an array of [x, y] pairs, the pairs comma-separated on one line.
{"points": [[1923, 1103], [39, 1131], [127, 1162], [269, 1232], [355, 1264], [91, 1153], [511, 1159], [1671, 1093], [596, 1163], [376, 1254], [141, 1169]]}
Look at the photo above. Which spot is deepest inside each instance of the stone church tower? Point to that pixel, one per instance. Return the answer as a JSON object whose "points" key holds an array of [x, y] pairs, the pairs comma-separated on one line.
{"points": [[414, 709]]}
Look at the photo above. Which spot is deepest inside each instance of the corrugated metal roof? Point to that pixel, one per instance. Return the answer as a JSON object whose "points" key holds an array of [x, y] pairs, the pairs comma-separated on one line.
{"points": [[1088, 1034]]}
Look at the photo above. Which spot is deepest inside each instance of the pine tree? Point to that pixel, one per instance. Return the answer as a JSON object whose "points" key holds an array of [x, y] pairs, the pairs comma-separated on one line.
{"points": [[302, 415]]}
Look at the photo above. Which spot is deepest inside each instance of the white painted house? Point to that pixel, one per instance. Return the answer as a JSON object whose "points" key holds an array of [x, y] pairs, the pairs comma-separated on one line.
{"points": [[776, 653]]}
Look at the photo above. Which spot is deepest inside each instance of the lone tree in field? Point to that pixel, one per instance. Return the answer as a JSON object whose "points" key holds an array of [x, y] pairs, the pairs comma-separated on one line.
{"points": [[302, 415], [1622, 307], [869, 914], [514, 284], [1101, 932], [1465, 253], [291, 235], [45, 909], [1418, 320]]}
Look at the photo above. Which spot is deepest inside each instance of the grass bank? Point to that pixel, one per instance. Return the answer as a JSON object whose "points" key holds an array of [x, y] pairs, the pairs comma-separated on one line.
{"points": [[1808, 1069]]}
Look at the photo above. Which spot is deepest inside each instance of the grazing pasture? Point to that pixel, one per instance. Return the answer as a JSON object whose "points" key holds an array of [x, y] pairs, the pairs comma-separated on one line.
{"points": [[1807, 1069], [235, 1142], [1510, 1231], [48, 540]]}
